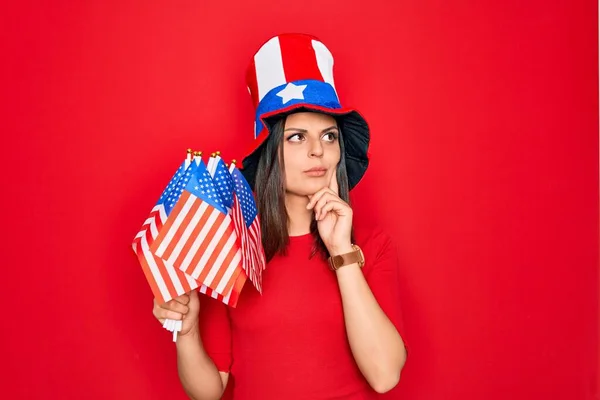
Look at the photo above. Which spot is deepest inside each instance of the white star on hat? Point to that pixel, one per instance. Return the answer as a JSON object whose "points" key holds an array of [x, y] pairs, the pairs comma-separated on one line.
{"points": [[292, 92]]}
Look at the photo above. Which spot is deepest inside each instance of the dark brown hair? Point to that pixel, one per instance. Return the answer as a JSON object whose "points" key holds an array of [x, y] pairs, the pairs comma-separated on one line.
{"points": [[270, 193]]}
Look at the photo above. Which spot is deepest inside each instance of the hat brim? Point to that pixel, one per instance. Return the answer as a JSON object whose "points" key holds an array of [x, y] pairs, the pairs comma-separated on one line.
{"points": [[354, 128]]}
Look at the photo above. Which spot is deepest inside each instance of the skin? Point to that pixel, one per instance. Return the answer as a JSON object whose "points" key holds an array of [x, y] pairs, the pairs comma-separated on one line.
{"points": [[310, 141]]}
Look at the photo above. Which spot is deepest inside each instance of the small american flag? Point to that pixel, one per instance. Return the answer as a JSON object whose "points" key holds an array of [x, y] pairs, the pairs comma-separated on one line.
{"points": [[221, 179], [224, 185], [164, 279], [245, 216], [198, 237]]}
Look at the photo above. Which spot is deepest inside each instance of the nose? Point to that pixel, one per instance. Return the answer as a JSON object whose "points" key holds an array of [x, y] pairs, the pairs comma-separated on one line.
{"points": [[316, 149]]}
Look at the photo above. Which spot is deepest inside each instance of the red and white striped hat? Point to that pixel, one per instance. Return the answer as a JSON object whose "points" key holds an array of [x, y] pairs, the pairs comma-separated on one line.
{"points": [[291, 72]]}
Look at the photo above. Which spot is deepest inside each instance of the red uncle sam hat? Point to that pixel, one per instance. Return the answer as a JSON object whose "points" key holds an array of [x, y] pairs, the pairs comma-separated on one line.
{"points": [[293, 72]]}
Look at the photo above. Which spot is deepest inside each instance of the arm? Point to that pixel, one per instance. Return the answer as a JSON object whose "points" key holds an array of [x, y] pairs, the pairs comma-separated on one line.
{"points": [[376, 345], [203, 346], [198, 374]]}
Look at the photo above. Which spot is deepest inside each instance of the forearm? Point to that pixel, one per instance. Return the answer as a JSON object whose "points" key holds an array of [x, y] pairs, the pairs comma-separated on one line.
{"points": [[197, 372], [376, 345]]}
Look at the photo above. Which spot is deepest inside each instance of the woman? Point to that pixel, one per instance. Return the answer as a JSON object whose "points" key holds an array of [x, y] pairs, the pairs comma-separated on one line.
{"points": [[328, 323]]}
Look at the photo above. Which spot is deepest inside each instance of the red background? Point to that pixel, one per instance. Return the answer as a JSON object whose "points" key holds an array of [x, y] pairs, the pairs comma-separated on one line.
{"points": [[484, 119]]}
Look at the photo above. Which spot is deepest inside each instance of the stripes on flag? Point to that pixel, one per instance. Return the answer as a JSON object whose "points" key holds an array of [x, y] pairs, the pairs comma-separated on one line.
{"points": [[190, 241], [256, 241], [223, 184], [164, 279], [231, 299], [198, 237], [200, 241], [245, 217], [249, 259]]}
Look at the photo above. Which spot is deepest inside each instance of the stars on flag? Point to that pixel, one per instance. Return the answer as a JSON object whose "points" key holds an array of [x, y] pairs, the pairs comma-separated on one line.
{"points": [[245, 197], [178, 188], [172, 268]]}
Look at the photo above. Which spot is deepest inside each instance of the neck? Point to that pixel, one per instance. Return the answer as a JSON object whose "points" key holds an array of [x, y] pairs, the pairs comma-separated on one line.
{"points": [[299, 218]]}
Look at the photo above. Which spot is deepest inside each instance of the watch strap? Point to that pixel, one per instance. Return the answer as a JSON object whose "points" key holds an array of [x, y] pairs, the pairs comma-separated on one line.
{"points": [[353, 257]]}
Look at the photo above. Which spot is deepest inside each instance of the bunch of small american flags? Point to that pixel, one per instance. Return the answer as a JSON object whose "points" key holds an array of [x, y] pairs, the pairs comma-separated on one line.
{"points": [[203, 234]]}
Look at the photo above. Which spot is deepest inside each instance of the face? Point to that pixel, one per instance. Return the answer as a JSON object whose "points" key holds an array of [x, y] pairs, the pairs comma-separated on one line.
{"points": [[311, 152]]}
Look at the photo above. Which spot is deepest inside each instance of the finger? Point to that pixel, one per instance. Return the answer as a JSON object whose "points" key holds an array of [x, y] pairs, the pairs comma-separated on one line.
{"points": [[325, 198], [333, 184], [340, 208], [334, 207], [167, 314], [315, 197], [175, 306], [183, 299], [162, 314]]}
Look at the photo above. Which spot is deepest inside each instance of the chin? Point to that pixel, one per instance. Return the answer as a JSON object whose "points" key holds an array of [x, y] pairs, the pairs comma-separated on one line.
{"points": [[307, 189]]}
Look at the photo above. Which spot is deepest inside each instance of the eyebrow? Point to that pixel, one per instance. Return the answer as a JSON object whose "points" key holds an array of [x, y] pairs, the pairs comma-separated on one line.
{"points": [[305, 131]]}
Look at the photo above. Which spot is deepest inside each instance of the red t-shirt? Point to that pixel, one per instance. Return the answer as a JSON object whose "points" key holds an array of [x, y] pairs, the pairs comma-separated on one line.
{"points": [[290, 343]]}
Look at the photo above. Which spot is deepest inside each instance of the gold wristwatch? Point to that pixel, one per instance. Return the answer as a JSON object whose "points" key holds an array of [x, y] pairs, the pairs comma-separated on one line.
{"points": [[356, 256]]}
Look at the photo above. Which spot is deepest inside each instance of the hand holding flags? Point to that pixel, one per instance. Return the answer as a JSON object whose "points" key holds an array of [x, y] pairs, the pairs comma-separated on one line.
{"points": [[203, 233]]}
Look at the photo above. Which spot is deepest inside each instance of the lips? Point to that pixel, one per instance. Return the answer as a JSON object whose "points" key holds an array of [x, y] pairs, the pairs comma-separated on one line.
{"points": [[316, 171]]}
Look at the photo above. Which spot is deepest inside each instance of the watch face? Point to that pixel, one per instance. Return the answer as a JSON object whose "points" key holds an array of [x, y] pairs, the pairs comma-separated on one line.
{"points": [[362, 256]]}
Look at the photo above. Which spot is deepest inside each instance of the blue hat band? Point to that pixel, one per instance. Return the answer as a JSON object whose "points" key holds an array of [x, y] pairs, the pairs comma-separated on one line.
{"points": [[305, 92]]}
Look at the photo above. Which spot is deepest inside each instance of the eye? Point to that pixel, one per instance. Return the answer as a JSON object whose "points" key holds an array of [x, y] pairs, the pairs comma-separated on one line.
{"points": [[330, 136], [296, 137]]}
